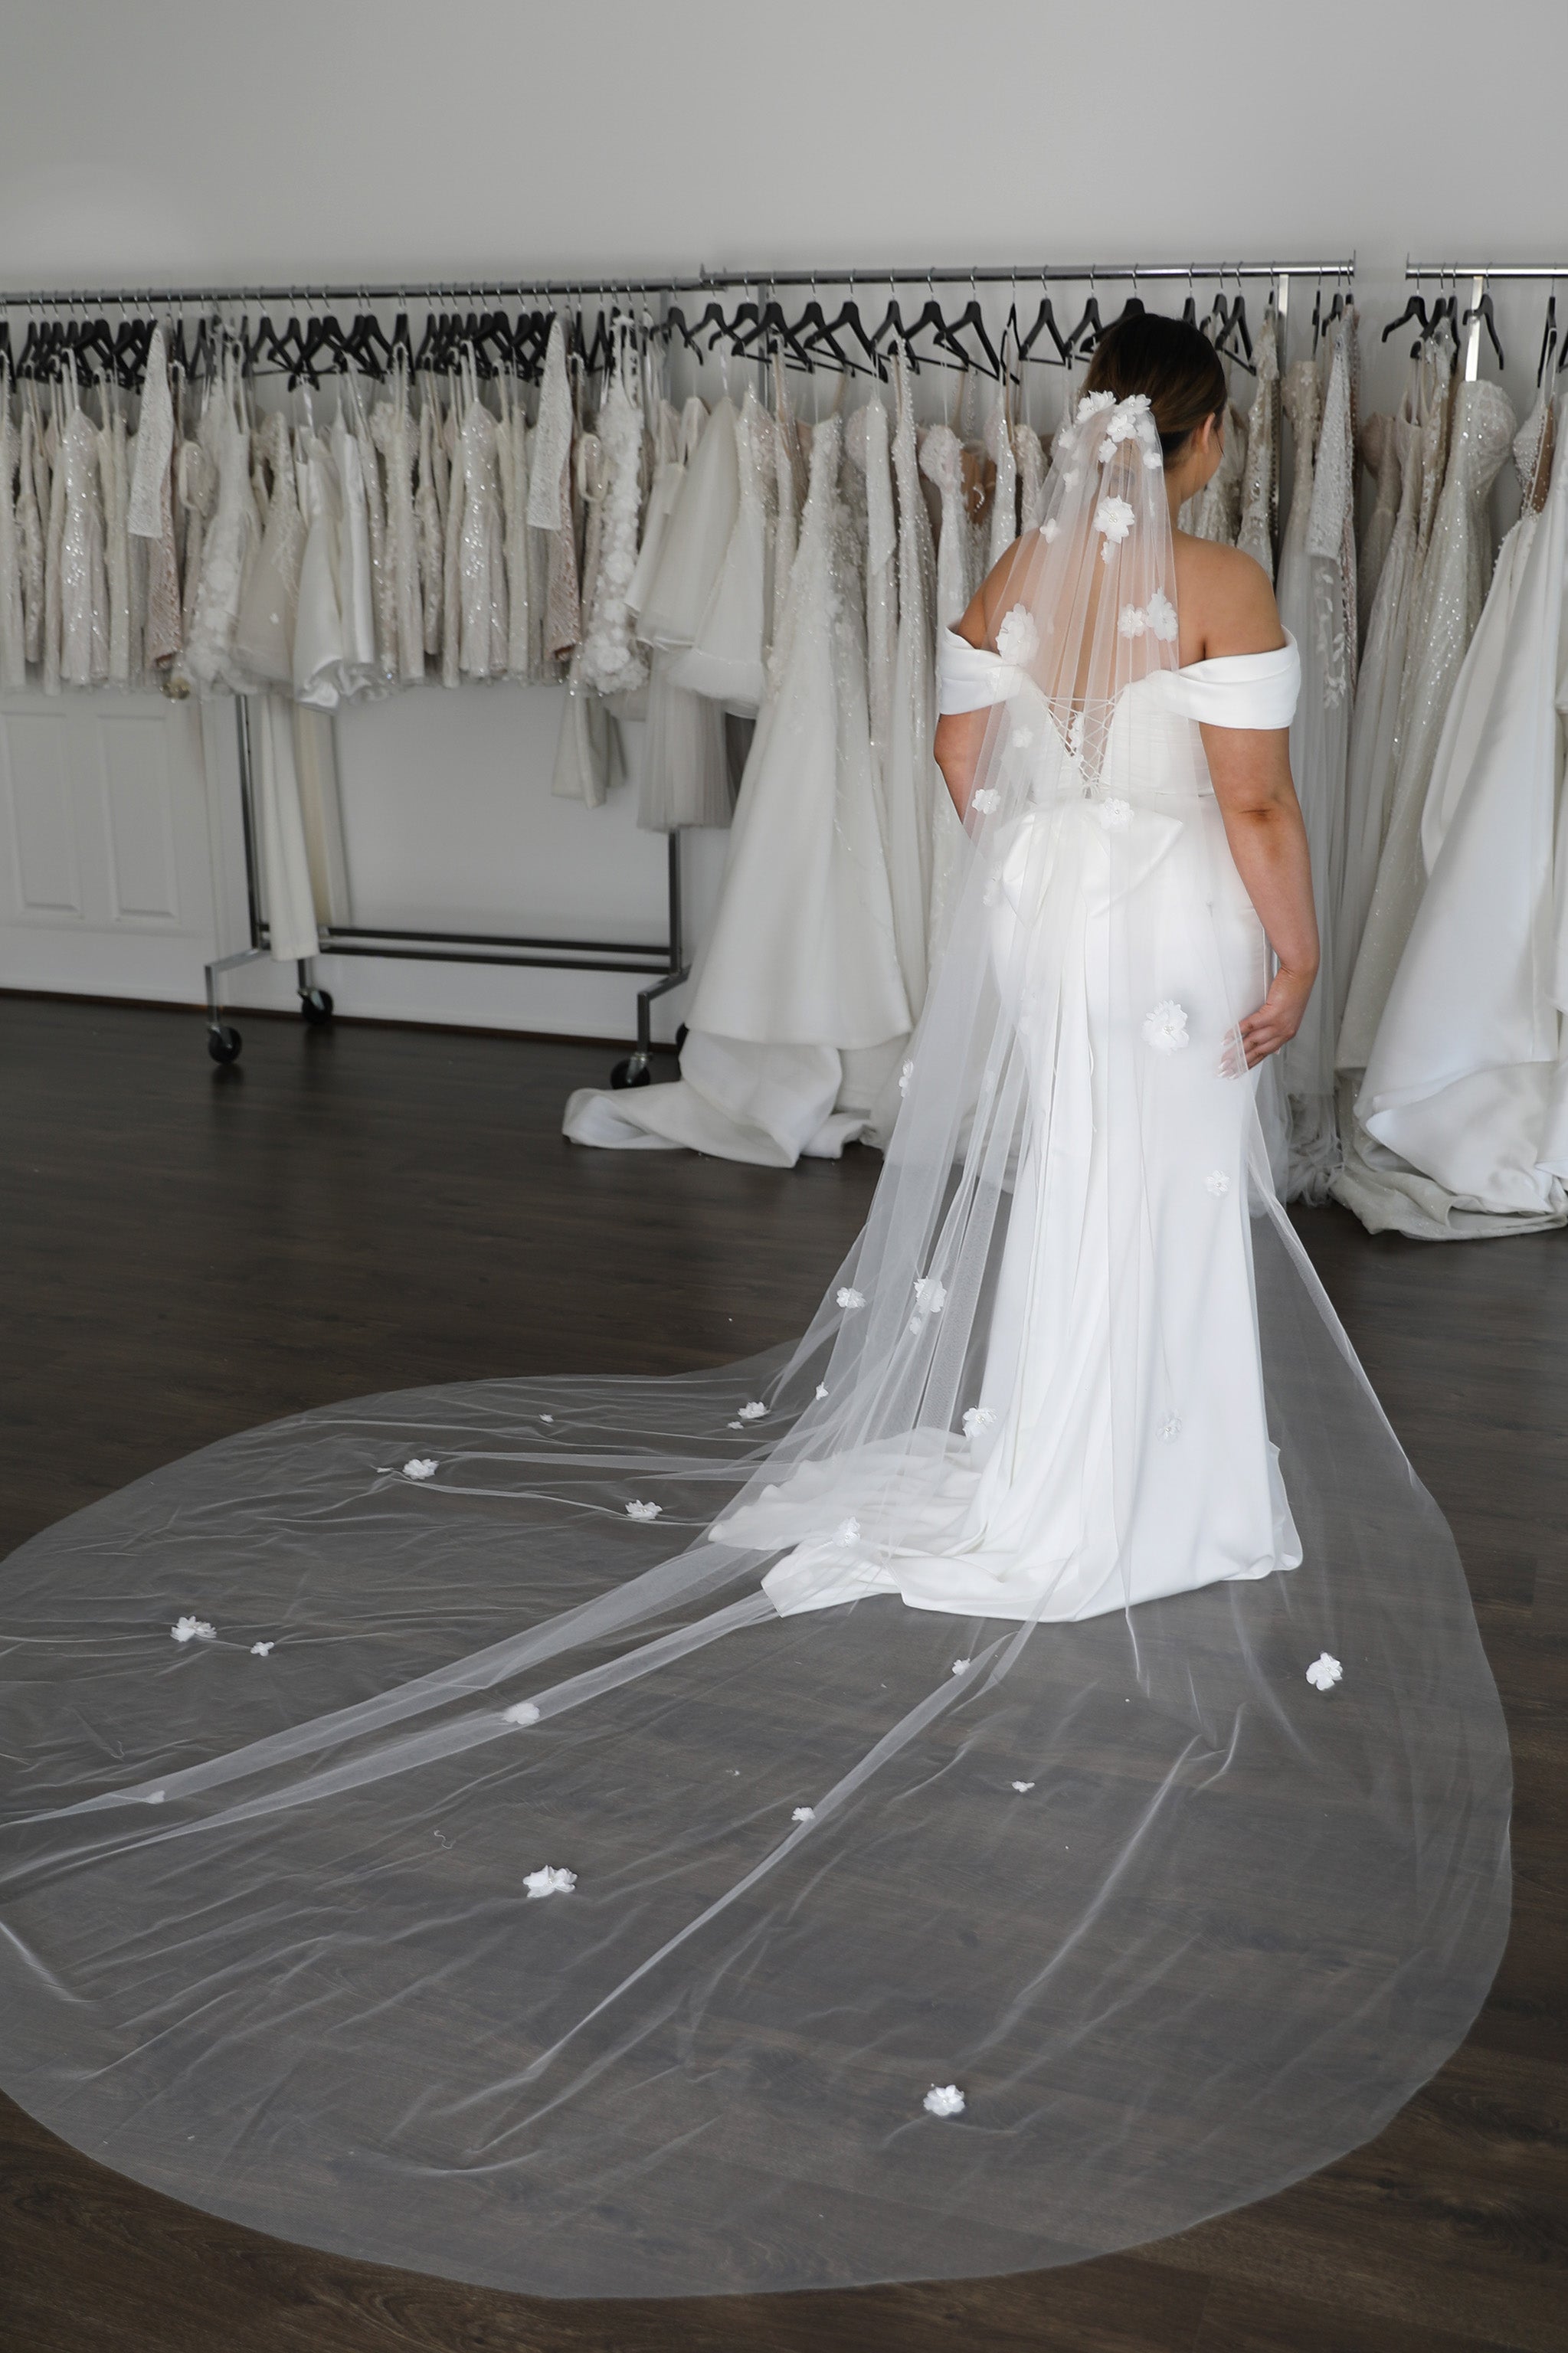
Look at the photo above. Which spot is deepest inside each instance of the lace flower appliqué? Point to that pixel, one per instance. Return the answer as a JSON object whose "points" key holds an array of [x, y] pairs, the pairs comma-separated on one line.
{"points": [[549, 1881], [1165, 1030], [847, 1531], [1170, 1428], [1133, 622], [976, 1419], [986, 799], [904, 1075], [193, 1630], [419, 1466], [944, 2100], [822, 1391], [1094, 404], [804, 1814], [1051, 527], [1113, 520], [1324, 1673], [261, 1650], [636, 1511], [1217, 1183], [848, 1297], [524, 1713], [753, 1411], [1114, 814], [1161, 616], [1017, 639], [1023, 1787]]}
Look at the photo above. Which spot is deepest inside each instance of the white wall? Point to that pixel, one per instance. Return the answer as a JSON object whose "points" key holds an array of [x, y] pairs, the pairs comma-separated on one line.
{"points": [[185, 141]]}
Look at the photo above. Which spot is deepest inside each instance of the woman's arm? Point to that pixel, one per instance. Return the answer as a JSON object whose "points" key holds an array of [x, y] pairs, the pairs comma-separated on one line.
{"points": [[961, 735], [1250, 768]]}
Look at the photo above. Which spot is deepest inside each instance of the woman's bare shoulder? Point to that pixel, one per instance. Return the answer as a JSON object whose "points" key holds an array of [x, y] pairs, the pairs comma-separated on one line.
{"points": [[1226, 596]]}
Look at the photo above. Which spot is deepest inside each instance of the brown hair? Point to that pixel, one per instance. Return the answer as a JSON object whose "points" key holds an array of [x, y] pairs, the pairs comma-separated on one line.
{"points": [[1176, 366]]}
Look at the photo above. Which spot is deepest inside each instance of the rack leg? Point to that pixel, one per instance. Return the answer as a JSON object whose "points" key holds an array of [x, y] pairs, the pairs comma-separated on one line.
{"points": [[315, 1002], [637, 1069], [223, 1043]]}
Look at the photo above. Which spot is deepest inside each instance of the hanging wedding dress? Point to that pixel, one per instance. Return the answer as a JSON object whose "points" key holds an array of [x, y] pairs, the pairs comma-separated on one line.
{"points": [[1214, 512], [685, 774], [612, 661], [392, 432], [1374, 726], [230, 531], [1381, 442], [150, 514], [797, 1009], [83, 588], [589, 758], [959, 574], [1032, 489], [502, 1881], [911, 780], [1260, 475], [12, 621], [725, 657], [1450, 591], [1004, 521], [1465, 1100], [867, 442], [264, 632]]}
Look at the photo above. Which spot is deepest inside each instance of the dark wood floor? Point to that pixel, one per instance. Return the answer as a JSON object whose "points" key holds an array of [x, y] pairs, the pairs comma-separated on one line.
{"points": [[187, 1252]]}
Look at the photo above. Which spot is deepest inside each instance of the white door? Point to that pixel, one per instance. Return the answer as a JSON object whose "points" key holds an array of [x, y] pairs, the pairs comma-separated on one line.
{"points": [[106, 865]]}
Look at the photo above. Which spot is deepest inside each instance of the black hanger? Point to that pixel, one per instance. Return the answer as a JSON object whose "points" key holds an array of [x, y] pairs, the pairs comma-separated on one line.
{"points": [[1414, 308], [1445, 313], [773, 323], [1483, 312], [1548, 339], [849, 319], [973, 320], [1045, 320], [1092, 324], [815, 334]]}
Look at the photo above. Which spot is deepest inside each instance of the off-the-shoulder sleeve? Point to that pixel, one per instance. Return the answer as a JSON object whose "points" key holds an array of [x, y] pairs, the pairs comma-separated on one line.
{"points": [[1238, 689], [971, 678]]}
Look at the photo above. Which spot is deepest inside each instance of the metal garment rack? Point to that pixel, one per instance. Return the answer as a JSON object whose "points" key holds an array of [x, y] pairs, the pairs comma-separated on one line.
{"points": [[666, 960], [1479, 273]]}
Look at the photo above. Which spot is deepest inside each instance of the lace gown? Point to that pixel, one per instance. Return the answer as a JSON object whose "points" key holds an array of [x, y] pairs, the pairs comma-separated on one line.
{"points": [[800, 971], [1375, 727], [1463, 1104], [1215, 512], [1380, 444], [12, 623], [1261, 472], [725, 658]]}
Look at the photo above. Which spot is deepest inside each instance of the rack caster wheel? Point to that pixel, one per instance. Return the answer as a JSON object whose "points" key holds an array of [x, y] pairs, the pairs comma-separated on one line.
{"points": [[679, 1037], [315, 1004], [633, 1072], [224, 1043]]}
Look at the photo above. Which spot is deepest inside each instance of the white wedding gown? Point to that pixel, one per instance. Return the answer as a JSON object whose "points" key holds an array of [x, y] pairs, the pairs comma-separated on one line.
{"points": [[1035, 1513], [798, 1006], [1466, 1092]]}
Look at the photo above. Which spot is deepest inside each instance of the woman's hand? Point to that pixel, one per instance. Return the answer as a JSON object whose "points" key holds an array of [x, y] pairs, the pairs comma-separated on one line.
{"points": [[1279, 1016]]}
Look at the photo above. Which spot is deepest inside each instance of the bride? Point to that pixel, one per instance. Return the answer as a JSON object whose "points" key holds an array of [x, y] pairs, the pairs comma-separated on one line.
{"points": [[1010, 1776]]}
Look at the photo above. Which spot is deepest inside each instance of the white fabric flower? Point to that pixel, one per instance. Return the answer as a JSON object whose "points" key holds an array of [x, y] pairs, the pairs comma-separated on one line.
{"points": [[419, 1466], [1092, 403], [1023, 1787], [1163, 616], [944, 2100], [736, 1425], [1324, 1673], [932, 1294], [549, 1881], [261, 1650], [1017, 639], [822, 1391], [193, 1630], [753, 1411], [524, 1713], [1171, 1427], [1217, 1183], [1070, 477], [804, 1814], [904, 1075], [976, 1419], [546, 1416], [962, 1666], [1154, 459], [1022, 738], [849, 1297], [635, 1510], [847, 1531], [155, 1797], [986, 799], [1166, 1028], [1114, 814], [1050, 527], [1114, 518]]}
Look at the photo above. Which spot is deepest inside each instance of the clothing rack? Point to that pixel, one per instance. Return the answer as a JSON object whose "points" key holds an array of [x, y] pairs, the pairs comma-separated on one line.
{"points": [[665, 960], [1541, 272]]}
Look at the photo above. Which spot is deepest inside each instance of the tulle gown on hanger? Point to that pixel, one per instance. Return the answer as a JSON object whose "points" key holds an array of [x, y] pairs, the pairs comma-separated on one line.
{"points": [[800, 969], [878, 1942], [1465, 1099]]}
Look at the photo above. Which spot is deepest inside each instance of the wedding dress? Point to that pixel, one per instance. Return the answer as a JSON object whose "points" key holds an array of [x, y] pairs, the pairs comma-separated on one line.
{"points": [[13, 622], [1450, 590], [1260, 475], [392, 433], [1003, 521], [867, 442], [685, 774], [1374, 726], [911, 783], [1464, 1098], [959, 574], [150, 514], [612, 661], [1379, 443], [264, 632], [1214, 512], [725, 657], [83, 589], [877, 1942], [798, 972], [1032, 482]]}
